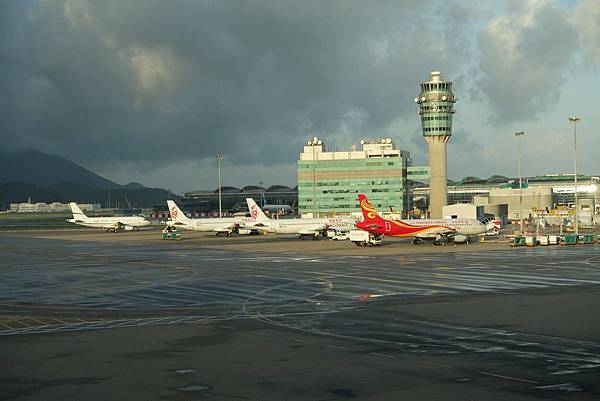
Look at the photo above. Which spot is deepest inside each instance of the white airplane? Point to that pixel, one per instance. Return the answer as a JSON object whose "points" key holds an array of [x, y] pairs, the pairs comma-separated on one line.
{"points": [[108, 223], [220, 226], [303, 227]]}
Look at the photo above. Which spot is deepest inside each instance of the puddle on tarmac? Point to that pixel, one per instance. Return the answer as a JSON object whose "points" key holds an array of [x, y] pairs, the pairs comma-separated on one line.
{"points": [[568, 387], [185, 371], [194, 387]]}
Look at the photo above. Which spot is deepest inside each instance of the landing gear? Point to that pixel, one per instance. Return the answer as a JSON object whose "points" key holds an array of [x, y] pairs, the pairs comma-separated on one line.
{"points": [[417, 241], [440, 240]]}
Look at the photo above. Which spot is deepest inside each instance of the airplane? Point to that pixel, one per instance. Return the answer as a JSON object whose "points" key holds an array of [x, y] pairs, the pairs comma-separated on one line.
{"points": [[305, 228], [108, 223], [438, 230], [282, 209], [223, 226]]}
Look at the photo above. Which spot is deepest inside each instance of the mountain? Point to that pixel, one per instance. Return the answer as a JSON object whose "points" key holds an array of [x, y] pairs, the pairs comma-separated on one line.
{"points": [[39, 168], [133, 185], [17, 192], [51, 178]]}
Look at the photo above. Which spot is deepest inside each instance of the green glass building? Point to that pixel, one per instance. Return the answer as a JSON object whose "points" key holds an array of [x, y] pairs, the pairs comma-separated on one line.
{"points": [[329, 182]]}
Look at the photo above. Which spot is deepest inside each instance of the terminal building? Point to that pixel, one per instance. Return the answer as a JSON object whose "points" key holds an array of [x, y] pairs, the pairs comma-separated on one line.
{"points": [[328, 182], [206, 203], [54, 207], [545, 195]]}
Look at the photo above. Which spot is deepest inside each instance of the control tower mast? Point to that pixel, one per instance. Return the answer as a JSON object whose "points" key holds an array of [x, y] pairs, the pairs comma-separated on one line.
{"points": [[436, 106]]}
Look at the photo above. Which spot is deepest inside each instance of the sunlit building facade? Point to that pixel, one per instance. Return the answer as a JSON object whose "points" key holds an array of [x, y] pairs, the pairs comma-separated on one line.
{"points": [[329, 182]]}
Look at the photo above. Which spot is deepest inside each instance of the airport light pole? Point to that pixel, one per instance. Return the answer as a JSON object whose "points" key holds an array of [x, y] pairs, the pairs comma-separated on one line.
{"points": [[219, 159], [519, 135], [575, 120]]}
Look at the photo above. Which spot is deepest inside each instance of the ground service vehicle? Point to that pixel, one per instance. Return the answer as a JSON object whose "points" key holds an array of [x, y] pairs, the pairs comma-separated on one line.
{"points": [[364, 238]]}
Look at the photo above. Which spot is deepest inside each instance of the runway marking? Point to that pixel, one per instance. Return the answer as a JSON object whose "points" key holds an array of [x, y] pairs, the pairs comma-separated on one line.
{"points": [[298, 340], [260, 333], [508, 377], [383, 355], [441, 365], [38, 321], [227, 327], [336, 347], [20, 322]]}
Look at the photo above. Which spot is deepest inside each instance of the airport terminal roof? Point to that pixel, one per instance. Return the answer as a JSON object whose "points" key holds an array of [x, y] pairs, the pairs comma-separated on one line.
{"points": [[252, 188], [246, 189], [279, 188], [500, 179]]}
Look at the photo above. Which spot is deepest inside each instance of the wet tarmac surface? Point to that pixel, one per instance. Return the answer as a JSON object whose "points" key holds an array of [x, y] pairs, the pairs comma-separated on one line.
{"points": [[370, 304]]}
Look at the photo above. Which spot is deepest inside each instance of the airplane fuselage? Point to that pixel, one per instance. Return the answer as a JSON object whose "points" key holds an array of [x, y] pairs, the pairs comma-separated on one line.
{"points": [[423, 228], [461, 226], [111, 222], [304, 226], [208, 224]]}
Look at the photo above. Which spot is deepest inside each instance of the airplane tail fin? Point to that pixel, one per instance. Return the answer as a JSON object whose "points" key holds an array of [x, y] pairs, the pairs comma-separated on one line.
{"points": [[255, 211], [368, 211], [493, 224], [77, 212], [175, 212]]}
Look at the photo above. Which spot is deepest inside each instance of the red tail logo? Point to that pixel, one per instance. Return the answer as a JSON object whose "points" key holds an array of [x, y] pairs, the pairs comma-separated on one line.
{"points": [[174, 212], [254, 212]]}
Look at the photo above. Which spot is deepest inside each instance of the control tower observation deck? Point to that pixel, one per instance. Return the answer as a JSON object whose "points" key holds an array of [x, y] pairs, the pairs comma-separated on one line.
{"points": [[436, 106]]}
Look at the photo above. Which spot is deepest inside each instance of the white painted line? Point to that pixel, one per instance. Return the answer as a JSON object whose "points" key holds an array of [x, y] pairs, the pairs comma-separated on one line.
{"points": [[508, 377], [260, 333], [298, 340], [227, 327], [335, 347], [20, 322], [38, 321], [384, 355], [441, 365]]}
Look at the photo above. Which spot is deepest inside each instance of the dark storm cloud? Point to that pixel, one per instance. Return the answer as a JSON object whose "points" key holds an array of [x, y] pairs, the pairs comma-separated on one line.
{"points": [[150, 81], [525, 56]]}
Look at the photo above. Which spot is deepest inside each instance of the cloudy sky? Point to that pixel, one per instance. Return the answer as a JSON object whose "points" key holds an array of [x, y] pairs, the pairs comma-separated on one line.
{"points": [[151, 90]]}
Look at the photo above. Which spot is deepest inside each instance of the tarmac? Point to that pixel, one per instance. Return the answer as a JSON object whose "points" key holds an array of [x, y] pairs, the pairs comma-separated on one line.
{"points": [[86, 314]]}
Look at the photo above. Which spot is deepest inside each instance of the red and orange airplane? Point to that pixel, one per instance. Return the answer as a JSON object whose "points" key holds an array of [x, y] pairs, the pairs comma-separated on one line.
{"points": [[437, 230]]}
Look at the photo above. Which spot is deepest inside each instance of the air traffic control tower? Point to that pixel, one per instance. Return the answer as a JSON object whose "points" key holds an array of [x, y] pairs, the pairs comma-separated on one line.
{"points": [[436, 106]]}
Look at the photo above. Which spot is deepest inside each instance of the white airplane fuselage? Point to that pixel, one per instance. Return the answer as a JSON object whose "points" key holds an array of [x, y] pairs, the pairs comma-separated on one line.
{"points": [[304, 226], [208, 224], [112, 222]]}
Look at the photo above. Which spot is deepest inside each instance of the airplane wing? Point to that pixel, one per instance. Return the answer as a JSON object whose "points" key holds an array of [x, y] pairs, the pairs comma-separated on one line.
{"points": [[433, 232], [341, 226], [125, 226], [256, 226], [226, 228], [314, 229], [113, 226]]}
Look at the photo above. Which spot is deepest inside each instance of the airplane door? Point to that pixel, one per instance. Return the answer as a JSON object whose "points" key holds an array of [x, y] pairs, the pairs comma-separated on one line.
{"points": [[388, 226]]}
